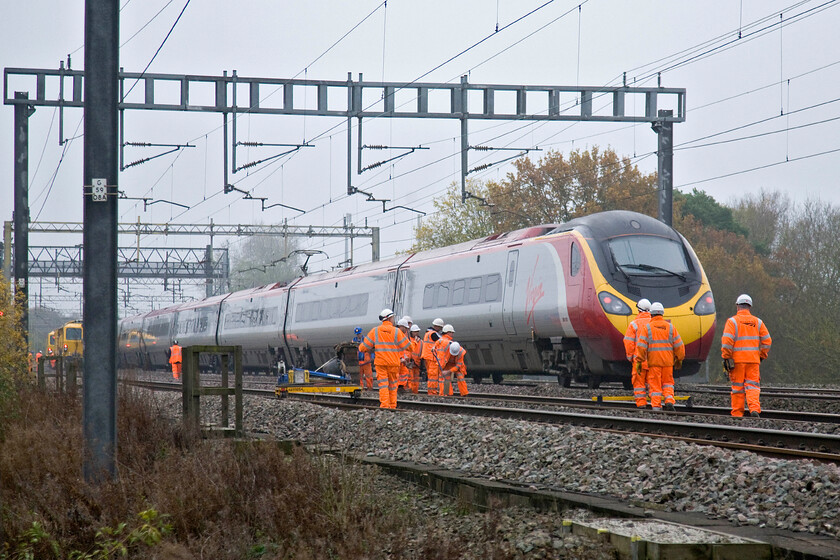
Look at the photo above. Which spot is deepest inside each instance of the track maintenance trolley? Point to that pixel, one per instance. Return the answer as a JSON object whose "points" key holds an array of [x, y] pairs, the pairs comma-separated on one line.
{"points": [[298, 380]]}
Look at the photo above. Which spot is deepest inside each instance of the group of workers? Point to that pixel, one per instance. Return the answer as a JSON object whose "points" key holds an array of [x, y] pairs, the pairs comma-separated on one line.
{"points": [[655, 349], [33, 360], [395, 354]]}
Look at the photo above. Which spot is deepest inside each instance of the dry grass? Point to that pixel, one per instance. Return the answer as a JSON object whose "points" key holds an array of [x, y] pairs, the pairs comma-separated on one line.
{"points": [[198, 498]]}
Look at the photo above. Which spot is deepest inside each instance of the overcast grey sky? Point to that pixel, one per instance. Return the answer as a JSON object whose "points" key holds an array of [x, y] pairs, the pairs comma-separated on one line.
{"points": [[775, 88]]}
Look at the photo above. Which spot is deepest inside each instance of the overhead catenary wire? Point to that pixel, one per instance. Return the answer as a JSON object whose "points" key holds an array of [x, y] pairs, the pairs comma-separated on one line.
{"points": [[463, 51], [171, 29]]}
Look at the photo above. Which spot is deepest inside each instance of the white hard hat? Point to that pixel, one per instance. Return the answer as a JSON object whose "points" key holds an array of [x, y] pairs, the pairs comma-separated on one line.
{"points": [[744, 299], [448, 328], [455, 349], [385, 314], [656, 308], [415, 328], [402, 323], [438, 322], [643, 304], [407, 319]]}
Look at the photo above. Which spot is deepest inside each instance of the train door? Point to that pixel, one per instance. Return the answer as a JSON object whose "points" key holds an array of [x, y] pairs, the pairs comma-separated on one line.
{"points": [[510, 286], [399, 295], [390, 287], [574, 284]]}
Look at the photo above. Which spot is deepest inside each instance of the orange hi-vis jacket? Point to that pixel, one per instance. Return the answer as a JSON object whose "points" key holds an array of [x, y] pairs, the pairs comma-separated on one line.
{"points": [[633, 331], [429, 340], [450, 362], [388, 342], [745, 339], [417, 350], [440, 346], [175, 354], [660, 344]]}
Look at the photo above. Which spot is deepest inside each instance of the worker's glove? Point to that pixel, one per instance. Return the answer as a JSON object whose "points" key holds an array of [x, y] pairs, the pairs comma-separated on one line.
{"points": [[637, 367], [361, 356], [728, 364], [677, 364]]}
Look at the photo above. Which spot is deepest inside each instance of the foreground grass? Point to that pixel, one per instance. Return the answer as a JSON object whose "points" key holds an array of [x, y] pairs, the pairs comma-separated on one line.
{"points": [[176, 495], [180, 497]]}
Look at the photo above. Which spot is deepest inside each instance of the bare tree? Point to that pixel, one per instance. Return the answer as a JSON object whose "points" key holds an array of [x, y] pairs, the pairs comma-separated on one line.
{"points": [[264, 259]]}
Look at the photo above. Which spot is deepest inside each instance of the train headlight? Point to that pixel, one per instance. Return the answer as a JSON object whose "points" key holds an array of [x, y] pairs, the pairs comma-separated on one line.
{"points": [[705, 305], [613, 305]]}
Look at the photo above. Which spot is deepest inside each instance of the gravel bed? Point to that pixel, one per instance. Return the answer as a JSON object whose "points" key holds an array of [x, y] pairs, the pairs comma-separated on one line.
{"points": [[767, 403], [445, 529], [742, 487]]}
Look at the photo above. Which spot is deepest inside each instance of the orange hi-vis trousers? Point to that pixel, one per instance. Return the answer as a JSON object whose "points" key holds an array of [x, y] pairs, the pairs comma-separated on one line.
{"points": [[387, 378], [432, 374], [414, 379], [661, 382], [639, 380], [745, 387], [366, 376]]}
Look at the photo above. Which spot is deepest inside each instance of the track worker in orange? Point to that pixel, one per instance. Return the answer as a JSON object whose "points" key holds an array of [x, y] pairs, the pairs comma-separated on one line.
{"points": [[439, 352], [415, 354], [638, 374], [661, 346], [388, 343], [175, 359], [405, 356], [429, 341], [744, 345], [452, 366], [366, 370]]}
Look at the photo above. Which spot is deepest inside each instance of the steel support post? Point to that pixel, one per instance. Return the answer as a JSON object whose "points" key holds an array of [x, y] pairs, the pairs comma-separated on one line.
{"points": [[101, 91], [664, 129], [208, 270], [22, 113], [465, 144]]}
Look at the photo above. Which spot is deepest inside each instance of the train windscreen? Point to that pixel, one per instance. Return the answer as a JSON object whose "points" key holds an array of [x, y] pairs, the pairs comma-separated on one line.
{"points": [[73, 333], [644, 254]]}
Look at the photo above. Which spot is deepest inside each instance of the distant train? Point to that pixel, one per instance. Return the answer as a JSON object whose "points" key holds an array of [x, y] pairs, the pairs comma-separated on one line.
{"points": [[551, 299], [67, 340]]}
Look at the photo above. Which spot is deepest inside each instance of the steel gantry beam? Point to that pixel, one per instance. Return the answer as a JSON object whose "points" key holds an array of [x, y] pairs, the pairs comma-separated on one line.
{"points": [[349, 99], [148, 262]]}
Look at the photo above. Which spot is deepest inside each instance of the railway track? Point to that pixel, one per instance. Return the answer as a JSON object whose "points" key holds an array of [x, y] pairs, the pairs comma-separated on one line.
{"points": [[776, 443], [777, 392], [682, 410]]}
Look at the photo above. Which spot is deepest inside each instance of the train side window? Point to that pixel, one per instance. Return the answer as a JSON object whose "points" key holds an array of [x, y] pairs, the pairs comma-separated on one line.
{"points": [[474, 293], [493, 287], [459, 288], [429, 296], [511, 273], [574, 265], [442, 299]]}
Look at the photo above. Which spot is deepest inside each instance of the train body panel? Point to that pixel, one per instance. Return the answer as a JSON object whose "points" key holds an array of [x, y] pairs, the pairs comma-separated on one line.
{"points": [[253, 319], [132, 351], [551, 299], [156, 336]]}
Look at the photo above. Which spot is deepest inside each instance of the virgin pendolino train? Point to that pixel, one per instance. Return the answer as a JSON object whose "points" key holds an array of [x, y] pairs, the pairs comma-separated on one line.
{"points": [[551, 299]]}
